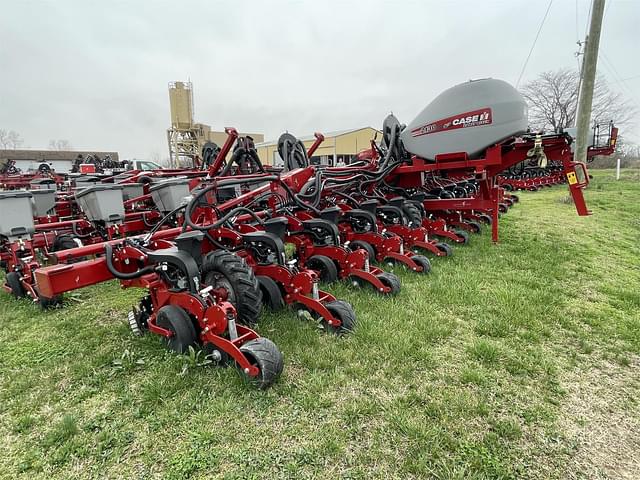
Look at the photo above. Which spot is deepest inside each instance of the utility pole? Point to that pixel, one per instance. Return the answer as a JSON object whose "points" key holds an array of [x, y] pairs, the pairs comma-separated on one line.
{"points": [[589, 64]]}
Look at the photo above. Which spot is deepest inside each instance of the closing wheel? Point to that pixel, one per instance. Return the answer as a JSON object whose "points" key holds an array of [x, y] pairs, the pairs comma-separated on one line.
{"points": [[515, 198], [486, 219], [445, 247], [413, 215], [327, 270], [264, 354], [64, 242], [14, 283], [463, 235], [222, 269], [507, 201], [177, 321], [475, 226], [390, 280], [344, 312], [423, 262], [271, 293], [446, 194], [503, 208], [366, 246]]}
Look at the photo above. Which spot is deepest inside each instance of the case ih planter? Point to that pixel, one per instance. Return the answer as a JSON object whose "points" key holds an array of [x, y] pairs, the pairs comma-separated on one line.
{"points": [[209, 246]]}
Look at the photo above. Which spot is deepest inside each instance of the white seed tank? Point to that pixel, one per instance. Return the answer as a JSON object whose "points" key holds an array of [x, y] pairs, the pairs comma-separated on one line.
{"points": [[467, 118]]}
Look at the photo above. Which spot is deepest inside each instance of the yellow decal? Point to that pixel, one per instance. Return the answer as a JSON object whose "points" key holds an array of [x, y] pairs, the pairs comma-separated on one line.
{"points": [[571, 177]]}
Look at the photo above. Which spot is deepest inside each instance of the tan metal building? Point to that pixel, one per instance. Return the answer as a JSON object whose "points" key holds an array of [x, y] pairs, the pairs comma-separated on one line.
{"points": [[205, 134], [339, 146]]}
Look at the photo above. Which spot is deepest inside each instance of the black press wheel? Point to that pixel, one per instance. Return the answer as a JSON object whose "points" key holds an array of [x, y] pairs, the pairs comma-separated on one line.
{"points": [[390, 280], [475, 226], [445, 247], [264, 354], [463, 235], [13, 280], [63, 242], [327, 270], [508, 202], [362, 245], [423, 262], [503, 208], [177, 321], [515, 198], [413, 214], [343, 311], [271, 293], [486, 219], [222, 269], [145, 179]]}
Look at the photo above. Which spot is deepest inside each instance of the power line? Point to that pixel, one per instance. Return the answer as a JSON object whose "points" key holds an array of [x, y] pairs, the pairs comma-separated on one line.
{"points": [[608, 64], [606, 10], [534, 43], [577, 34], [586, 28]]}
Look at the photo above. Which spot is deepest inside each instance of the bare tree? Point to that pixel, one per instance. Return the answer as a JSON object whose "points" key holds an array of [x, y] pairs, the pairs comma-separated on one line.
{"points": [[10, 139], [553, 101], [60, 145]]}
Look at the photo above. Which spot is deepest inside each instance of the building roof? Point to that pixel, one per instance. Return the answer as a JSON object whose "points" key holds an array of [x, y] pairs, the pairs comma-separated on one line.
{"points": [[336, 133]]}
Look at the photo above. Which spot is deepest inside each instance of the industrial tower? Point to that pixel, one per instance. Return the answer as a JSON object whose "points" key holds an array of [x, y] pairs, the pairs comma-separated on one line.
{"points": [[185, 137], [182, 136]]}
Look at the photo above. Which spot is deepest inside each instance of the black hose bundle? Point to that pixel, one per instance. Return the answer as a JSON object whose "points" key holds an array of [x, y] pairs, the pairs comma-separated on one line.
{"points": [[293, 152], [108, 250], [195, 201], [244, 153]]}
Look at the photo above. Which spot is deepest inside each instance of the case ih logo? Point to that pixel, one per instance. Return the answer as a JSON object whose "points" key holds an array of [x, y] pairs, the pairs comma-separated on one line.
{"points": [[464, 120]]}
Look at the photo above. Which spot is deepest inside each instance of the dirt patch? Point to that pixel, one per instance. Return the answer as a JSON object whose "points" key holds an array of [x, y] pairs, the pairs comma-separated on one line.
{"points": [[600, 421]]}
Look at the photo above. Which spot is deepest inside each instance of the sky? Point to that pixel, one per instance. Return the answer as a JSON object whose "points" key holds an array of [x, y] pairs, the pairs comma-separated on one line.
{"points": [[96, 72]]}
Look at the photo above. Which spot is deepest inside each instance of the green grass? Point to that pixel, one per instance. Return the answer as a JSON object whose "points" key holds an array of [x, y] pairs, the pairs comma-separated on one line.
{"points": [[470, 372]]}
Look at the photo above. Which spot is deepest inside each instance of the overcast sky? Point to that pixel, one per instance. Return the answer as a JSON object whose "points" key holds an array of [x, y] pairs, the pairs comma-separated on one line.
{"points": [[96, 73]]}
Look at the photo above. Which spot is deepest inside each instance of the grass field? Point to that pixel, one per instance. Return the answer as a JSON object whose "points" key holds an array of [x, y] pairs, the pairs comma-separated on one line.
{"points": [[516, 360]]}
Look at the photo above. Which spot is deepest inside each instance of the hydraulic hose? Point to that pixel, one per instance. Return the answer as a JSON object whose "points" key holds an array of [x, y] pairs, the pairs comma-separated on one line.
{"points": [[108, 250], [146, 223], [163, 220], [234, 159], [256, 159], [223, 183], [297, 200], [74, 229]]}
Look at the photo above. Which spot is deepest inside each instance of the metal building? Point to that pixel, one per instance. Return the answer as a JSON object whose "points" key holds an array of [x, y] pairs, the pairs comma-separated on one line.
{"points": [[338, 147]]}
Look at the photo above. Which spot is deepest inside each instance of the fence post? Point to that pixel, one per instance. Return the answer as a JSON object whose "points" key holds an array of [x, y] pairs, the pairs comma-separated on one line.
{"points": [[618, 170]]}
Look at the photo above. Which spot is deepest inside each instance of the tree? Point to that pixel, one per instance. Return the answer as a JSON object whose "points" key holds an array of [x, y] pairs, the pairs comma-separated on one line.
{"points": [[553, 101], [60, 145], [10, 139]]}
